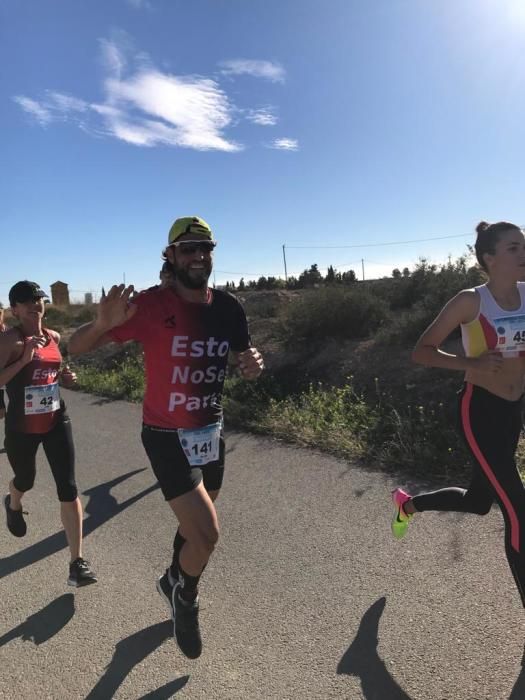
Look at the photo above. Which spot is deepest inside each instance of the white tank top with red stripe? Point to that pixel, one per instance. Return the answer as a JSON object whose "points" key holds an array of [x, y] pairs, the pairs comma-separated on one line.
{"points": [[495, 328]]}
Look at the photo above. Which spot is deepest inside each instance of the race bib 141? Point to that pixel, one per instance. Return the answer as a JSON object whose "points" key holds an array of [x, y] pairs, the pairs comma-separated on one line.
{"points": [[200, 445]]}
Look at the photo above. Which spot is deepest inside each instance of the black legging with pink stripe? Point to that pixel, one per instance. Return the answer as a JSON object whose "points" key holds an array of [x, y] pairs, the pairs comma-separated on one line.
{"points": [[491, 427]]}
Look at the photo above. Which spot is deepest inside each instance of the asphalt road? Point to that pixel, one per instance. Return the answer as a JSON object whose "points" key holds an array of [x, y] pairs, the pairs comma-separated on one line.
{"points": [[307, 595]]}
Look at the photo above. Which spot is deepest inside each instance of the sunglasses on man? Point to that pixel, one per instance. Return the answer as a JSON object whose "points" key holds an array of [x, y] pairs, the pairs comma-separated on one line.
{"points": [[191, 247]]}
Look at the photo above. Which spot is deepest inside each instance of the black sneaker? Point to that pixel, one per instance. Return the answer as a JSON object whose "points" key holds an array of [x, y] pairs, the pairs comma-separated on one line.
{"points": [[15, 519], [80, 574], [165, 584], [186, 624]]}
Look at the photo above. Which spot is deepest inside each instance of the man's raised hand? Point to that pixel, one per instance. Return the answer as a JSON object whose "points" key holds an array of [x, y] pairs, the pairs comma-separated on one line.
{"points": [[114, 308]]}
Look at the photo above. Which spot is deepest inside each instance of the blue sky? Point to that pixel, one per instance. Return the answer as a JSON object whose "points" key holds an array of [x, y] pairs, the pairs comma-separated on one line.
{"points": [[297, 122]]}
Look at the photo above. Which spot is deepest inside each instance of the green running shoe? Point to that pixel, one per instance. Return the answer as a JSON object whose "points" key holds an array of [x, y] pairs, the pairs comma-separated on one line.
{"points": [[401, 520]]}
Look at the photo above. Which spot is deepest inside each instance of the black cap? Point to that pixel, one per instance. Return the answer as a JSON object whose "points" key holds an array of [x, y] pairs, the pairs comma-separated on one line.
{"points": [[25, 291]]}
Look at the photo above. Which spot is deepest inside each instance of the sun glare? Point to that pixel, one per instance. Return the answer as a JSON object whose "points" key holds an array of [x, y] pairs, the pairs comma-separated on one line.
{"points": [[515, 10]]}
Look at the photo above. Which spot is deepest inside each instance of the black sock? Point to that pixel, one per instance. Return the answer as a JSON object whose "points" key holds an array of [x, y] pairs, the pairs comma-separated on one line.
{"points": [[177, 546], [189, 584]]}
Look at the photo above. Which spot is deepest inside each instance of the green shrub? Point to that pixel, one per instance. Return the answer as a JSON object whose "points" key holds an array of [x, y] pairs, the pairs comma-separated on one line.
{"points": [[60, 318], [56, 318], [266, 309], [335, 312], [428, 283], [124, 381], [82, 314], [426, 292], [381, 431], [407, 327]]}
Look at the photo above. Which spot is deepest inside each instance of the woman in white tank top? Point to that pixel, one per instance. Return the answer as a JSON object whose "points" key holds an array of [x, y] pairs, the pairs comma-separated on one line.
{"points": [[492, 321]]}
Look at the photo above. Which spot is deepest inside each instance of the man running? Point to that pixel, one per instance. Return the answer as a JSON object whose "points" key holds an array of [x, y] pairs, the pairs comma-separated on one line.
{"points": [[187, 331]]}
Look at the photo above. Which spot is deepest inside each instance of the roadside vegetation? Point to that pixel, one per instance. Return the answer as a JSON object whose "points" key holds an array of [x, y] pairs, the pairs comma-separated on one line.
{"points": [[339, 375]]}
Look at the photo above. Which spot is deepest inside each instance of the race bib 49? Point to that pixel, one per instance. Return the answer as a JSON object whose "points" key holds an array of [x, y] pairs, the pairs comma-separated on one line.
{"points": [[511, 333]]}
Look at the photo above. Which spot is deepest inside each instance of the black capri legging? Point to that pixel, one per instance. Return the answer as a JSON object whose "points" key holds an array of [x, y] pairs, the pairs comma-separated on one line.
{"points": [[58, 445], [491, 427]]}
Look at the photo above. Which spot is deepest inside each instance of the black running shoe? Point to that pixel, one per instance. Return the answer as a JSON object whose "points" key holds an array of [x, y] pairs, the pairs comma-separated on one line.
{"points": [[186, 624], [165, 584], [15, 519], [80, 574]]}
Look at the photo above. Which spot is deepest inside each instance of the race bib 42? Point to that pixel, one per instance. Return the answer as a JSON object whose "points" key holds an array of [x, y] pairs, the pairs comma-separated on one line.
{"points": [[41, 399]]}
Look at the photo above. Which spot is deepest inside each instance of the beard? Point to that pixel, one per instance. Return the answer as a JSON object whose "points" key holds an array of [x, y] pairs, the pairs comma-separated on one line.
{"points": [[194, 279]]}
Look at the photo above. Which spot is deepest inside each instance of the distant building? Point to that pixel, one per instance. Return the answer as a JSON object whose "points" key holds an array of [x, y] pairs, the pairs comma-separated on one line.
{"points": [[88, 298], [59, 294]]}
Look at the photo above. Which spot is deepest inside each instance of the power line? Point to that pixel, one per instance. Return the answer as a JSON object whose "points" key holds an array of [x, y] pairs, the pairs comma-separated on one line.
{"points": [[229, 272], [375, 245], [336, 267]]}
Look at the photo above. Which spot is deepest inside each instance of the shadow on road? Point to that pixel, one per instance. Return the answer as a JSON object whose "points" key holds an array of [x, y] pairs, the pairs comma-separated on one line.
{"points": [[103, 400], [518, 692], [362, 660], [231, 444], [101, 507], [128, 653], [44, 624]]}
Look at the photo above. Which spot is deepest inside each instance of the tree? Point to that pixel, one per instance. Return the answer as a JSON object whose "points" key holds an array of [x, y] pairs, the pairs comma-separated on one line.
{"points": [[396, 273], [310, 277], [274, 283], [330, 275], [242, 286], [349, 277]]}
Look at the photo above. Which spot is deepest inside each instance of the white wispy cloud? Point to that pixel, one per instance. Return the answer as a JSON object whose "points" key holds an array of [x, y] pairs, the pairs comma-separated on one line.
{"points": [[284, 144], [258, 69], [65, 103], [152, 108], [262, 117], [112, 57], [144, 106], [42, 115], [55, 106]]}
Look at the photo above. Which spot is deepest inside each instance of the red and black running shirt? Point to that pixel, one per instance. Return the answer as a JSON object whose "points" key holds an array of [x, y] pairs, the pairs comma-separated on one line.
{"points": [[185, 352], [43, 370]]}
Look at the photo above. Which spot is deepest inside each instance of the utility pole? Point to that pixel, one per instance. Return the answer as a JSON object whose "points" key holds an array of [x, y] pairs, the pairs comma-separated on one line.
{"points": [[285, 271], [363, 268]]}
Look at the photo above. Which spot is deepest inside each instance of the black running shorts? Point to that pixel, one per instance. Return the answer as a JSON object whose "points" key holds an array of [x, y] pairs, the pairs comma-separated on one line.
{"points": [[170, 465], [58, 445]]}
